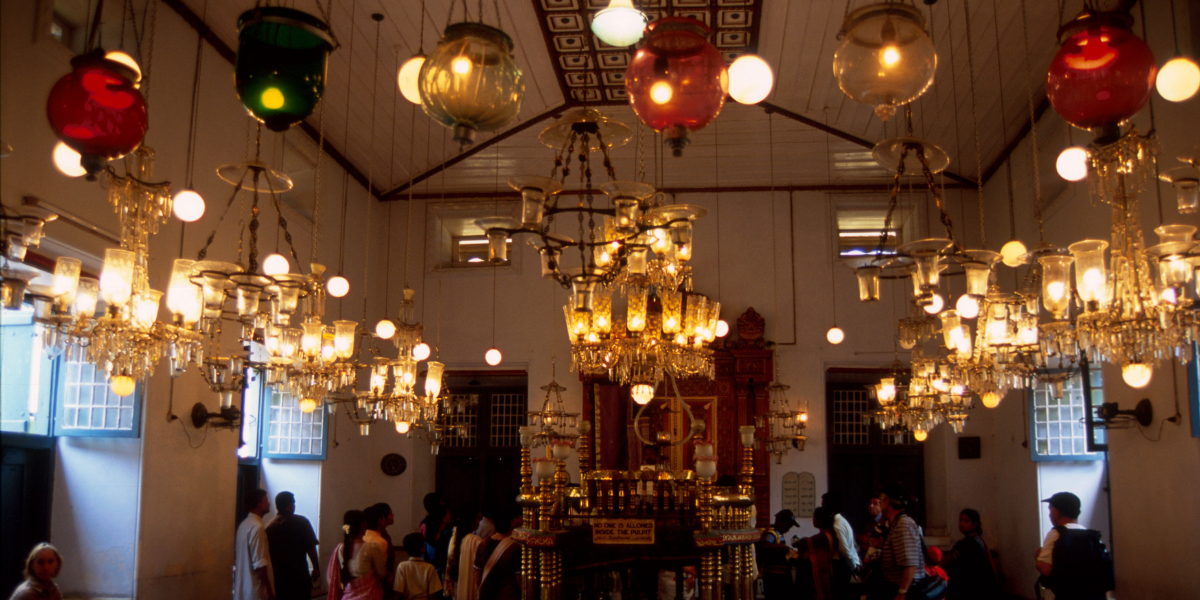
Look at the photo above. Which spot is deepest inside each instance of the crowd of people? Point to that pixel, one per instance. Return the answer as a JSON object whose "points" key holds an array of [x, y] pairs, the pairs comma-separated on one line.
{"points": [[471, 559]]}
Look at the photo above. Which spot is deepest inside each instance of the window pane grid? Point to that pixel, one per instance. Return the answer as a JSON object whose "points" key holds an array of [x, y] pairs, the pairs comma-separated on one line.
{"points": [[291, 431], [466, 422], [849, 425], [508, 415], [90, 405], [1058, 423]]}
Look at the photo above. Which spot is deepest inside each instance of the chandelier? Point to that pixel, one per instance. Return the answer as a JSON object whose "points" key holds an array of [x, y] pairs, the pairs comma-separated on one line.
{"points": [[127, 340], [920, 397], [21, 229], [633, 255], [783, 427]]}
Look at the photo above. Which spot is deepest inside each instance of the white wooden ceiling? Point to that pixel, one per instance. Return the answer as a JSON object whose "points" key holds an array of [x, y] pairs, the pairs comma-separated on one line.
{"points": [[797, 37]]}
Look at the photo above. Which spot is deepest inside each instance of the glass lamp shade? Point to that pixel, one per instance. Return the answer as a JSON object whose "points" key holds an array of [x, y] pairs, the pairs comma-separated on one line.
{"points": [[185, 299], [977, 274], [1091, 278], [307, 405], [1056, 285], [1174, 233], [635, 316], [549, 256], [146, 308], [746, 433], [885, 58], [534, 191], [497, 237], [1137, 375], [750, 79], [66, 280], [1072, 163], [642, 393], [1178, 80], [1186, 182], [470, 82], [1013, 253], [420, 351], [86, 294], [620, 25], [627, 197], [926, 254], [409, 77], [97, 109], [289, 292], [950, 327], [560, 452], [116, 278], [275, 264], [343, 340], [281, 64], [122, 385], [637, 260], [310, 343], [674, 81], [601, 310], [289, 343], [672, 319], [704, 450], [543, 469], [1102, 74], [706, 468], [433, 378], [582, 298]]}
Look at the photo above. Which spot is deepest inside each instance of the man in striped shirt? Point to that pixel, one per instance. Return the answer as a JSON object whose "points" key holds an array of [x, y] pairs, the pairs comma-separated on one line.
{"points": [[903, 558]]}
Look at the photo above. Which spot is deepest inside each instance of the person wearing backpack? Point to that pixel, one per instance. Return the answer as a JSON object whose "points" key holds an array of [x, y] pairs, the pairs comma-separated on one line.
{"points": [[1073, 561]]}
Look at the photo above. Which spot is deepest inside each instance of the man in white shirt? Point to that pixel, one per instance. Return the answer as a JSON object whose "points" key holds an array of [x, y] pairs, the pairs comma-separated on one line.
{"points": [[1064, 512], [845, 533], [252, 559]]}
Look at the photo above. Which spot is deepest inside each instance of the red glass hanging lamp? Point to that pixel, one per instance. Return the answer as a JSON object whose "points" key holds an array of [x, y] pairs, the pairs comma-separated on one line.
{"points": [[1102, 75], [97, 109], [676, 80]]}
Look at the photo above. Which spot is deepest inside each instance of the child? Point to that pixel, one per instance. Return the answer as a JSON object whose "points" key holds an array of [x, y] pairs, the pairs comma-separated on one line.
{"points": [[415, 578]]}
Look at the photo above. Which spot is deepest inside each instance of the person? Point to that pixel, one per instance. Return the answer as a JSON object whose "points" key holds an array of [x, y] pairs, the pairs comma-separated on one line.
{"points": [[775, 558], [902, 560], [415, 578], [467, 578], [868, 570], [41, 567], [1073, 561], [292, 544], [499, 559], [356, 567], [436, 528], [374, 521], [821, 574], [651, 460], [933, 566], [389, 519], [845, 533], [252, 555], [969, 563]]}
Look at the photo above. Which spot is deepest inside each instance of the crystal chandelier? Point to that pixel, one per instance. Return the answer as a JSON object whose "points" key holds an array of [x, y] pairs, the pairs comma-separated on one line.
{"points": [[783, 427], [21, 229], [633, 255], [127, 340], [920, 397], [552, 424]]}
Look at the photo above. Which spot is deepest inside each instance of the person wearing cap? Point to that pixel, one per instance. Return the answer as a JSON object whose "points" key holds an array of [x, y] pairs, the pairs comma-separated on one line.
{"points": [[903, 558], [1064, 512], [776, 558]]}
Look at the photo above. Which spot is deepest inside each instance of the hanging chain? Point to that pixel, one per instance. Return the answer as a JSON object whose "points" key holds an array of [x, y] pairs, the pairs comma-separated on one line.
{"points": [[1033, 140], [975, 125], [1012, 211]]}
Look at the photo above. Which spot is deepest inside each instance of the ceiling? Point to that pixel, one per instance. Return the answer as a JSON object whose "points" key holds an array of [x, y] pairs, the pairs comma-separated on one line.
{"points": [[983, 72]]}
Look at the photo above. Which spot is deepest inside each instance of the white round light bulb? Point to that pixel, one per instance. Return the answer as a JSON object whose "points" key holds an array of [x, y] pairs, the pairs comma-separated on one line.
{"points": [[967, 306], [620, 25], [1178, 80], [935, 306], [1072, 164], [493, 357], [307, 405], [402, 427], [188, 206], [408, 78], [67, 161], [750, 79], [920, 435], [275, 264], [990, 399], [722, 328], [122, 385], [1137, 375], [1012, 253], [835, 335], [661, 92], [385, 329], [337, 286], [420, 351]]}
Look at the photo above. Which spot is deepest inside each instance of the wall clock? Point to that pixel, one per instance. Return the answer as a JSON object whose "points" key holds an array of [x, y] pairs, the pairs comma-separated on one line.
{"points": [[393, 464]]}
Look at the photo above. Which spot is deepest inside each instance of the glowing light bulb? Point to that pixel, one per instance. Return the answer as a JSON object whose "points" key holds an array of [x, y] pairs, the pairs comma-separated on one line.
{"points": [[835, 335], [189, 206], [385, 329], [1072, 164], [307, 405], [990, 399], [402, 427], [642, 393], [967, 306], [461, 65], [1178, 80], [661, 92], [493, 357], [722, 328], [1137, 375], [67, 161], [420, 351], [750, 79], [122, 385], [620, 24], [408, 78], [890, 56], [121, 57], [1057, 290], [272, 98], [920, 435], [275, 264], [1012, 253], [1093, 279], [337, 286], [936, 305]]}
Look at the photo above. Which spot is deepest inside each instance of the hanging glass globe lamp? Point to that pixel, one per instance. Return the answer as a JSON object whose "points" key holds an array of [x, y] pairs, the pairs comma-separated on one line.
{"points": [[620, 25], [97, 109], [885, 58], [470, 82], [281, 64], [676, 81]]}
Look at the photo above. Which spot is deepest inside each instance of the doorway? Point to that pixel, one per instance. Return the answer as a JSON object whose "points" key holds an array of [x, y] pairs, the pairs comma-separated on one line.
{"points": [[481, 461], [862, 457], [26, 487]]}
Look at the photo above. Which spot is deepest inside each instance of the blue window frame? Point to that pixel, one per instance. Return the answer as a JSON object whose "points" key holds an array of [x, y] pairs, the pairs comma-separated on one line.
{"points": [[87, 407], [1060, 416], [287, 432]]}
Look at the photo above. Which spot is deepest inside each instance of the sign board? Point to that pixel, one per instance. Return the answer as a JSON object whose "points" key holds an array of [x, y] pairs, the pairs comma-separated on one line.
{"points": [[623, 531], [791, 492], [808, 495]]}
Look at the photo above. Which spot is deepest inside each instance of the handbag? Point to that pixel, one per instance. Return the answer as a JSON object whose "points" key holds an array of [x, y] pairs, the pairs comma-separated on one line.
{"points": [[928, 587]]}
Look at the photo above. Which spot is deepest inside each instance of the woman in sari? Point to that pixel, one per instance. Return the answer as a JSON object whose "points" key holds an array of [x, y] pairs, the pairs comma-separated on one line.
{"points": [[356, 568], [821, 574], [969, 564]]}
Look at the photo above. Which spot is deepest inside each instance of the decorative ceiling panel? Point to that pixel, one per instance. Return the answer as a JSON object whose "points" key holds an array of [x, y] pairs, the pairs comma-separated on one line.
{"points": [[593, 72]]}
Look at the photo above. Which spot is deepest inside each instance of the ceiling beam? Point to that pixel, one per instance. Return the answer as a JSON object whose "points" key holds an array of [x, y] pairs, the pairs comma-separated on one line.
{"points": [[818, 187], [472, 151], [1011, 147], [223, 49]]}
